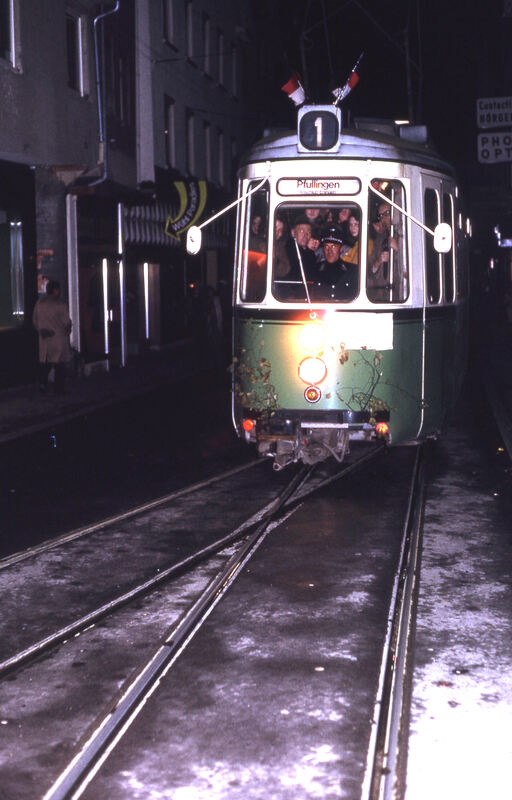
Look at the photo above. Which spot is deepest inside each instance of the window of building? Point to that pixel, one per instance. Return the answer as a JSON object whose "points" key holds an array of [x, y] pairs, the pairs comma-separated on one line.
{"points": [[190, 142], [206, 45], [220, 57], [9, 46], [208, 150], [170, 131], [168, 20], [221, 159], [5, 29], [234, 71], [431, 255], [12, 295], [387, 271], [75, 51], [118, 66], [189, 16]]}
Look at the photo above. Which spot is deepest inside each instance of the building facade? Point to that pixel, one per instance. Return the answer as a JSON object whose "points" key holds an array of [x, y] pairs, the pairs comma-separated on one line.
{"points": [[122, 122]]}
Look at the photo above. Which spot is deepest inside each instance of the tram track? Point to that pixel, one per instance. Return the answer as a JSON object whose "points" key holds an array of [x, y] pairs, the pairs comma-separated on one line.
{"points": [[105, 732], [85, 530], [163, 575], [387, 755]]}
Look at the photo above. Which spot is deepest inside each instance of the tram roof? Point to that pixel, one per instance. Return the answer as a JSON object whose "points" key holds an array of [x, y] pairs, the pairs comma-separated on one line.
{"points": [[353, 144]]}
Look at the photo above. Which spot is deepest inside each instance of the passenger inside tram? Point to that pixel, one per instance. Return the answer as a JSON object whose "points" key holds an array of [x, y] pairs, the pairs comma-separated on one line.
{"points": [[310, 265]]}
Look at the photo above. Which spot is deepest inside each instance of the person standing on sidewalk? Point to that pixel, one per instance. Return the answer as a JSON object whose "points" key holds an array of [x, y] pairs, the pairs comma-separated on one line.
{"points": [[53, 324]]}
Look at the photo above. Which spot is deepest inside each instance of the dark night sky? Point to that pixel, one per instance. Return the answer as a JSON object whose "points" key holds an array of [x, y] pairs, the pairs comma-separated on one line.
{"points": [[458, 52]]}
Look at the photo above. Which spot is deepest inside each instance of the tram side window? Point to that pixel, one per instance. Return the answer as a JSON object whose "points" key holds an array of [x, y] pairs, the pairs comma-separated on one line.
{"points": [[387, 272], [431, 255], [316, 252], [460, 245], [448, 258], [255, 248]]}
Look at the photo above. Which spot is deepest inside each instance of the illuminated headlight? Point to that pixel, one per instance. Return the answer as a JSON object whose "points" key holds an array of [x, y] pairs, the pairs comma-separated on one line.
{"points": [[312, 370], [312, 337]]}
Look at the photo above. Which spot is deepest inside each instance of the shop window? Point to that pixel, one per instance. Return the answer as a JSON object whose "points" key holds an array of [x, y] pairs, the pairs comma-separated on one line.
{"points": [[12, 296]]}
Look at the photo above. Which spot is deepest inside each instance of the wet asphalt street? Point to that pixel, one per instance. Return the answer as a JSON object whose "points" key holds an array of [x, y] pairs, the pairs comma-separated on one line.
{"points": [[105, 461], [275, 695]]}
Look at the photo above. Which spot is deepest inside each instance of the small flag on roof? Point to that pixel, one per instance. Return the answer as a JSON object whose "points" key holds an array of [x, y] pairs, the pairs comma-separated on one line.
{"points": [[352, 80], [294, 89]]}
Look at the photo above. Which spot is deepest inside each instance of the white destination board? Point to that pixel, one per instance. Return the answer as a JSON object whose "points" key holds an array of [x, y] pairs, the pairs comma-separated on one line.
{"points": [[493, 112], [495, 147], [338, 186]]}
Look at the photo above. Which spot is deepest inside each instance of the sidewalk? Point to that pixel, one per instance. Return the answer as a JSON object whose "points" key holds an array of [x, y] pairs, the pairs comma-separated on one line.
{"points": [[23, 410]]}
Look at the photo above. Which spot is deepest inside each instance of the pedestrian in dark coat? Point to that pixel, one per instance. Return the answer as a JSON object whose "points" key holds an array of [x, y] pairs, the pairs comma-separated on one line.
{"points": [[53, 324]]}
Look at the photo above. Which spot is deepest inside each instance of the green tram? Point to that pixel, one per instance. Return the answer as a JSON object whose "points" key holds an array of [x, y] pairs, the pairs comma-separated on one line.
{"points": [[320, 360]]}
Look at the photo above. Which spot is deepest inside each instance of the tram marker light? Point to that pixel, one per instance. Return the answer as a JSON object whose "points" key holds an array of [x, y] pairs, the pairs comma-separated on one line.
{"points": [[312, 394], [442, 238], [194, 238]]}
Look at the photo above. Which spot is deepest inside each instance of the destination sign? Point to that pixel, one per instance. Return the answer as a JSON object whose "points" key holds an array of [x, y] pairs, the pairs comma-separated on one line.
{"points": [[288, 187], [494, 112]]}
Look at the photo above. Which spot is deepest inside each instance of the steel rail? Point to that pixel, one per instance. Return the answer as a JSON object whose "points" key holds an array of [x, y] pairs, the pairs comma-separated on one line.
{"points": [[387, 753], [82, 624], [76, 777], [64, 538]]}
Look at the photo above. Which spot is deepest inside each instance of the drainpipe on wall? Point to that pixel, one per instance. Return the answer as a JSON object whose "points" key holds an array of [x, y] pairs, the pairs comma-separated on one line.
{"points": [[102, 123]]}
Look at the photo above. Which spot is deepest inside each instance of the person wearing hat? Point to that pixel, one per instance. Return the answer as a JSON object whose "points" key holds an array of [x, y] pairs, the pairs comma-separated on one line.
{"points": [[337, 280]]}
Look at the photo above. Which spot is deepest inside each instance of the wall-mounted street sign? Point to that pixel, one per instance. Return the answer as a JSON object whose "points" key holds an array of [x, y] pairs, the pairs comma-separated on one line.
{"points": [[495, 147], [494, 112]]}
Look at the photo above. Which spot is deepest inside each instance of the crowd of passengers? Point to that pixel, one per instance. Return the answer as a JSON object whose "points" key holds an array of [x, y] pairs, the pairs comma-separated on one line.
{"points": [[320, 248]]}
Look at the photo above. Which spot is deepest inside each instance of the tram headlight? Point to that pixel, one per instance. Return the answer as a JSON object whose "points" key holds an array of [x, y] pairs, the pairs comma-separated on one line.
{"points": [[312, 337], [312, 370]]}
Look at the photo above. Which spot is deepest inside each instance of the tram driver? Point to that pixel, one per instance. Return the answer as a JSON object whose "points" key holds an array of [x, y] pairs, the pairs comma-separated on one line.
{"points": [[336, 280]]}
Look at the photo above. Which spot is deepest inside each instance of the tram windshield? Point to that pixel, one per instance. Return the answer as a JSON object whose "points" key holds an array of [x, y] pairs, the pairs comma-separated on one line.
{"points": [[316, 252]]}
